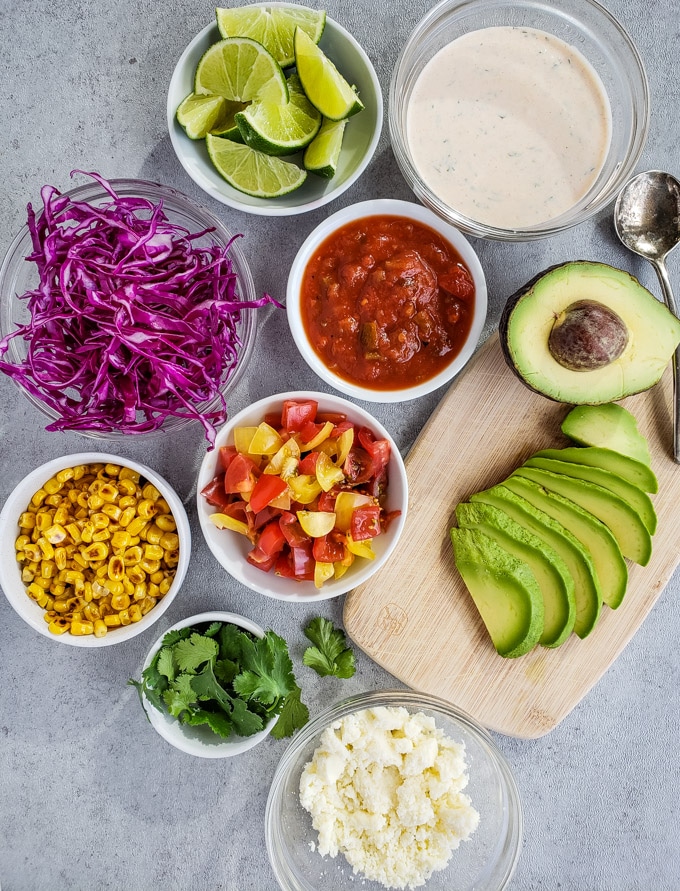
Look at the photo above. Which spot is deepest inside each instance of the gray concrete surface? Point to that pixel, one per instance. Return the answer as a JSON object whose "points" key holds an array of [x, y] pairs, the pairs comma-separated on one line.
{"points": [[90, 797]]}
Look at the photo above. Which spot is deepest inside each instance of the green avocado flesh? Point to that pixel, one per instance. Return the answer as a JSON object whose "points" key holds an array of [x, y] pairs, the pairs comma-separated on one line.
{"points": [[626, 526], [593, 535], [635, 472], [635, 498], [532, 313], [587, 591], [548, 568], [607, 426], [504, 590]]}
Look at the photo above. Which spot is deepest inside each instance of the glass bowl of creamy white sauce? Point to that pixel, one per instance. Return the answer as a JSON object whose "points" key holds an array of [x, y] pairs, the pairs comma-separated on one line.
{"points": [[515, 121]]}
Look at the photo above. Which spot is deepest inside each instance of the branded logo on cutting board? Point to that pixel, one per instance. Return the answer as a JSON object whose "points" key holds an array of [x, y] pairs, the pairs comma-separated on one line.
{"points": [[392, 619]]}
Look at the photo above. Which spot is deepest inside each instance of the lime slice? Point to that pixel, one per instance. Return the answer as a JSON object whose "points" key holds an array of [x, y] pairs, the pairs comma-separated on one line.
{"points": [[240, 69], [199, 114], [322, 154], [325, 87], [272, 26], [251, 171], [280, 129]]}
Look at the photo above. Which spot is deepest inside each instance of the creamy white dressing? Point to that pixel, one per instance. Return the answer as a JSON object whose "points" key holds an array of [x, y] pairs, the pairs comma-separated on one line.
{"points": [[509, 126]]}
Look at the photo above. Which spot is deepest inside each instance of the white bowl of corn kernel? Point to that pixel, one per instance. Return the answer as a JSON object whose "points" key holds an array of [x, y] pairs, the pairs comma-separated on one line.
{"points": [[101, 547]]}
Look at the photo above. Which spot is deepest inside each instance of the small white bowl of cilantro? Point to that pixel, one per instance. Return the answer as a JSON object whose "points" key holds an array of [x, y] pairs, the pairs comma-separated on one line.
{"points": [[216, 684]]}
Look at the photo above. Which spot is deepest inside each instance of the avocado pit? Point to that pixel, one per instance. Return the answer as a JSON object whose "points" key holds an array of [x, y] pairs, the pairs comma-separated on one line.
{"points": [[587, 335]]}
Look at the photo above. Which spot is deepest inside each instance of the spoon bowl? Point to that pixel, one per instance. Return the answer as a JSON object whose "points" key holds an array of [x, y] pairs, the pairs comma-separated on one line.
{"points": [[647, 221]]}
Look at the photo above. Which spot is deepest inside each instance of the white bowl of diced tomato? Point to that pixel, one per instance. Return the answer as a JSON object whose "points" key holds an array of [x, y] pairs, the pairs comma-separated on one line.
{"points": [[304, 496]]}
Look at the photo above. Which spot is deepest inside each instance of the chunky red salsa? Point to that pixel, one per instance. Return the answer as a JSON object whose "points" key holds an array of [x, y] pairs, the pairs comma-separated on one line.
{"points": [[387, 302]]}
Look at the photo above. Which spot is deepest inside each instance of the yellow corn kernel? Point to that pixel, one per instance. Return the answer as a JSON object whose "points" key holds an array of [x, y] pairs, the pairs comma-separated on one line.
{"points": [[53, 486], [46, 548], [154, 534], [162, 506], [49, 602], [73, 496], [124, 616], [99, 591], [112, 620], [94, 502], [127, 517], [120, 540], [166, 522], [135, 612], [60, 606], [49, 616], [153, 552], [59, 625], [112, 511], [71, 576], [147, 604], [61, 515], [99, 520], [96, 551], [120, 601], [157, 577], [74, 531], [127, 487], [38, 497], [150, 492], [75, 616], [33, 553], [66, 474], [99, 628], [91, 612], [153, 590], [79, 471], [170, 541], [132, 556], [81, 628], [146, 509], [136, 574], [26, 575], [102, 571], [58, 590], [79, 561], [139, 592], [27, 520], [165, 585], [96, 485], [128, 587], [108, 493], [53, 500], [34, 591], [116, 568], [43, 520], [127, 473], [171, 558], [150, 566], [56, 534], [101, 535], [86, 533], [83, 498], [112, 469], [21, 542], [137, 525], [126, 501], [114, 586], [48, 569]]}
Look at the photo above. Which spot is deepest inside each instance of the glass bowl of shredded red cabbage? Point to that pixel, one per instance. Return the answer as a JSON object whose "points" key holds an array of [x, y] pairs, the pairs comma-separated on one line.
{"points": [[126, 309]]}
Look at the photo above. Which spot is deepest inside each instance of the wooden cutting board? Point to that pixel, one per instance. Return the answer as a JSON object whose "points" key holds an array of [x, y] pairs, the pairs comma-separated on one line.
{"points": [[415, 617]]}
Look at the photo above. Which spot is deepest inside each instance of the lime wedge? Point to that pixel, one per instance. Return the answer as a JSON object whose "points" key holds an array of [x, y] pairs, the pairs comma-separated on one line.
{"points": [[240, 69], [280, 129], [325, 87], [272, 26], [251, 171], [322, 153], [199, 114]]}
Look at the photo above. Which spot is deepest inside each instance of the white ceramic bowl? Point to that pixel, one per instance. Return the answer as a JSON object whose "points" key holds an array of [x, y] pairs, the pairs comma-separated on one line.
{"points": [[359, 144], [486, 861], [383, 207], [10, 573], [231, 548], [201, 741]]}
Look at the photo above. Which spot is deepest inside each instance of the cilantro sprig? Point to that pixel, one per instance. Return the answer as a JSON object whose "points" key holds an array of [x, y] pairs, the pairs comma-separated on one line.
{"points": [[330, 654], [226, 678]]}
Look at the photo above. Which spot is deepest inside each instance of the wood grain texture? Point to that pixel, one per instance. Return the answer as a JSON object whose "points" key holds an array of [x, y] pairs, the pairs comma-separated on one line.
{"points": [[416, 618]]}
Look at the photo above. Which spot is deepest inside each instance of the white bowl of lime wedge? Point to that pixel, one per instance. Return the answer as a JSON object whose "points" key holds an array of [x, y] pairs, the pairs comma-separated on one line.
{"points": [[273, 185]]}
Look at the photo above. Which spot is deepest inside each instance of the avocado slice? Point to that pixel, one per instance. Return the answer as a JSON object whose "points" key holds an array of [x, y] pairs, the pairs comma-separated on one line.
{"points": [[587, 590], [626, 526], [634, 497], [595, 537], [550, 571], [620, 343], [636, 472], [608, 426], [504, 590]]}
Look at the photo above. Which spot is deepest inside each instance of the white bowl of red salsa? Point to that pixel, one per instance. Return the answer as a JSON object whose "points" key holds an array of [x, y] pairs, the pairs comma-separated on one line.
{"points": [[304, 497], [386, 302]]}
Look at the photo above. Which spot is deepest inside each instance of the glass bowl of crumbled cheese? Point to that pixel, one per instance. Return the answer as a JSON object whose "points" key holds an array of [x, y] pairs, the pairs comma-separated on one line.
{"points": [[393, 789]]}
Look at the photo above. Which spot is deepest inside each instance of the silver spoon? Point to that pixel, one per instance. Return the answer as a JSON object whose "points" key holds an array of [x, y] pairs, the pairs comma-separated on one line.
{"points": [[647, 220]]}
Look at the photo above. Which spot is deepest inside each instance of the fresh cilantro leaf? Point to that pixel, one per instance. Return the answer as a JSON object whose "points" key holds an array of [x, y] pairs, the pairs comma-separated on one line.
{"points": [[225, 671], [165, 664], [151, 677], [245, 722], [212, 629], [330, 655], [172, 637], [218, 722], [206, 686], [192, 653], [230, 638], [180, 696], [294, 714], [268, 671]]}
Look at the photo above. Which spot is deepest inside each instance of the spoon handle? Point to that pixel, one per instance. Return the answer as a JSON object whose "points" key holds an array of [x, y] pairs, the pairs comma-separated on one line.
{"points": [[669, 300]]}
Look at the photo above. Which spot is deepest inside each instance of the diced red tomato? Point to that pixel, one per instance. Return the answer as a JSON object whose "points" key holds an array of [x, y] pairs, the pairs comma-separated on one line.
{"points": [[340, 428], [335, 417], [329, 548], [303, 561], [214, 492], [271, 540], [273, 419], [358, 466], [262, 517], [225, 456], [308, 464], [295, 415], [292, 530], [326, 500], [266, 489], [240, 476], [365, 522], [256, 557], [309, 431]]}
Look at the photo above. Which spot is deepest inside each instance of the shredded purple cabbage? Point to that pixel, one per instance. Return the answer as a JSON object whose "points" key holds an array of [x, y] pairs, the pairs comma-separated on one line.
{"points": [[131, 323]]}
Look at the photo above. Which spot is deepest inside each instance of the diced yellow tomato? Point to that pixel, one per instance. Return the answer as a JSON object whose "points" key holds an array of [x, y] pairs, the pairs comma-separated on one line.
{"points": [[340, 568], [345, 442], [289, 450], [345, 504], [304, 488], [327, 473], [223, 521], [316, 523], [320, 437], [265, 441], [322, 572], [282, 502], [361, 548], [242, 439]]}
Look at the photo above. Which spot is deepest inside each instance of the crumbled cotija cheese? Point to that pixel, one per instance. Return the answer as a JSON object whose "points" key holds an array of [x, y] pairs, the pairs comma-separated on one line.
{"points": [[384, 788]]}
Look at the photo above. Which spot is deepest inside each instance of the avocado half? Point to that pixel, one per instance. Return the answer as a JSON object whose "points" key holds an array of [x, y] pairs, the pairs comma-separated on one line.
{"points": [[618, 303]]}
